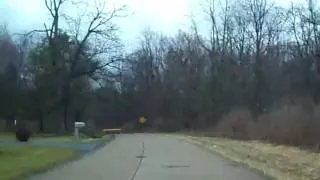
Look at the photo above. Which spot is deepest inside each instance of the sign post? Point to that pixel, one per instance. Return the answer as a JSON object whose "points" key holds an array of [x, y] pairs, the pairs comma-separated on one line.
{"points": [[142, 120], [77, 126]]}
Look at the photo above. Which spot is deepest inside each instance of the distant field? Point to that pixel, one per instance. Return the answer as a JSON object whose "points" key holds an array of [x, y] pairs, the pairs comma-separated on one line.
{"points": [[279, 162], [16, 163]]}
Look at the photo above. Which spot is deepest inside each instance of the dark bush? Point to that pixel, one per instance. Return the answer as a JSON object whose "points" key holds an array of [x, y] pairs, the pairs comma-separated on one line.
{"points": [[22, 134], [91, 130], [167, 124], [129, 127], [92, 133]]}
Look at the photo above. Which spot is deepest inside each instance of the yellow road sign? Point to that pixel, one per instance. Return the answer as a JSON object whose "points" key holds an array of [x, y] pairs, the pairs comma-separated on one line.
{"points": [[142, 120]]}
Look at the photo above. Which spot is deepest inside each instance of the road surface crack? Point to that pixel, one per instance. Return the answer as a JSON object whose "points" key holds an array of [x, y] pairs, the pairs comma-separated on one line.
{"points": [[139, 163]]}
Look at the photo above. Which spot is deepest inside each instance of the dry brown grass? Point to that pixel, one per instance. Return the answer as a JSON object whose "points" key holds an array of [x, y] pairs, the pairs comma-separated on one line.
{"points": [[272, 142], [277, 161]]}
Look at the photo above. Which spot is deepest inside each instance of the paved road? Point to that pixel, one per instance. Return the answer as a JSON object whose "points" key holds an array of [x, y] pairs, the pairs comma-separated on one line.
{"points": [[149, 157]]}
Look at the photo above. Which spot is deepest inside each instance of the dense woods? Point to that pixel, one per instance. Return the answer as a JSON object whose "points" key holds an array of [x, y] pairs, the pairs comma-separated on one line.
{"points": [[255, 75]]}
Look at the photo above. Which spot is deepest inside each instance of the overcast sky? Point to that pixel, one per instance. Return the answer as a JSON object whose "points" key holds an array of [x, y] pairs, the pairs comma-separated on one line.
{"points": [[166, 16]]}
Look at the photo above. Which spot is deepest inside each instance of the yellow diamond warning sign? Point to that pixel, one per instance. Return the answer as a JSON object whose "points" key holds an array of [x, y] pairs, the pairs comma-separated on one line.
{"points": [[142, 120]]}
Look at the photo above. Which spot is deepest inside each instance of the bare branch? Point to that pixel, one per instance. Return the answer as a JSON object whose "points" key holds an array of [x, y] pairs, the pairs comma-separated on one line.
{"points": [[195, 29], [92, 71], [30, 33], [49, 7]]}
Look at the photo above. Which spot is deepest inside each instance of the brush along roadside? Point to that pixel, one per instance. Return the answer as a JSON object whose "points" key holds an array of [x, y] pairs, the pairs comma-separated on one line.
{"points": [[277, 161]]}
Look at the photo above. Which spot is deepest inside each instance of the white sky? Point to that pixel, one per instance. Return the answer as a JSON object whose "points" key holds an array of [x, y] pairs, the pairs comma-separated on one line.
{"points": [[166, 16]]}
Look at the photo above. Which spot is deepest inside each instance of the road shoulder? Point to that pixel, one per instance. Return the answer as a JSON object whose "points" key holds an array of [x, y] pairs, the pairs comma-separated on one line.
{"points": [[274, 161]]}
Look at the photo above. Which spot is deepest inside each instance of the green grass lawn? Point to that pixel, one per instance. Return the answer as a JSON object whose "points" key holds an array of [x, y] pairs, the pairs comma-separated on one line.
{"points": [[16, 163], [4, 136], [69, 139], [60, 138]]}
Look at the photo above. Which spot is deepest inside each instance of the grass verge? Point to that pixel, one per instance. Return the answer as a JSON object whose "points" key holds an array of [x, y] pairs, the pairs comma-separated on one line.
{"points": [[17, 163], [276, 161], [56, 138], [68, 139], [5, 136]]}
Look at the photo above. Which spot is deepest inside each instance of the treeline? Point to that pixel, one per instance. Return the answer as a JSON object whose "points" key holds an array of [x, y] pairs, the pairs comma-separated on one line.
{"points": [[258, 57], [255, 77]]}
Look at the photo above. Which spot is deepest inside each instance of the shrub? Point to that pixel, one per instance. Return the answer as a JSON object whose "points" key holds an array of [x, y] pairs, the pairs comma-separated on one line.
{"points": [[286, 125], [23, 134], [93, 133], [235, 124], [129, 127], [296, 125], [91, 130], [167, 124]]}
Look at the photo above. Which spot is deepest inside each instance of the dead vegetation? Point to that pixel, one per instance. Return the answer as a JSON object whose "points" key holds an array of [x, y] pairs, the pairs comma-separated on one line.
{"points": [[283, 143], [293, 125], [277, 161]]}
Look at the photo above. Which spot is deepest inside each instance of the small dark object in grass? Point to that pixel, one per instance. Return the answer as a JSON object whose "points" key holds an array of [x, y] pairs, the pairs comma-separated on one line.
{"points": [[22, 134], [93, 134]]}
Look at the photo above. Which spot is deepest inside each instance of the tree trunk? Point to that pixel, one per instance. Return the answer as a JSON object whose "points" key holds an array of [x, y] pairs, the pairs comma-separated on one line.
{"points": [[65, 114], [66, 103], [41, 121], [8, 124]]}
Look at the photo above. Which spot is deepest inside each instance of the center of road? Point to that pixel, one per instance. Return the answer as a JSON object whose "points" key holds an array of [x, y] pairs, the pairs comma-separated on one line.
{"points": [[168, 158], [140, 162]]}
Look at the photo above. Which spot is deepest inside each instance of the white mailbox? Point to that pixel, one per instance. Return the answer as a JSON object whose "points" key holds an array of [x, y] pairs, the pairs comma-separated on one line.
{"points": [[78, 125]]}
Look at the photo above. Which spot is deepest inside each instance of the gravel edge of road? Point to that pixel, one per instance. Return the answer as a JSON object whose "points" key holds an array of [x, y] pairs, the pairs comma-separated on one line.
{"points": [[79, 156], [202, 146]]}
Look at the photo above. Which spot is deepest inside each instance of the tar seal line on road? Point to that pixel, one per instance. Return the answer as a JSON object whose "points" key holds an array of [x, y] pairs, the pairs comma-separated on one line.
{"points": [[139, 163]]}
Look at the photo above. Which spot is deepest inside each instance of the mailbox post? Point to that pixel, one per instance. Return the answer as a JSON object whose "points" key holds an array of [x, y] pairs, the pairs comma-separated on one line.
{"points": [[77, 126]]}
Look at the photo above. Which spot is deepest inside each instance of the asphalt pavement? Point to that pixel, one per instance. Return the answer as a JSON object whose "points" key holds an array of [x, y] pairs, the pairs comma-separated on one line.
{"points": [[150, 157]]}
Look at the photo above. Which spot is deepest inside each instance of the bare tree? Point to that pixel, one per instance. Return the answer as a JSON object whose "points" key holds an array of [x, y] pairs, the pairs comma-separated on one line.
{"points": [[87, 51]]}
